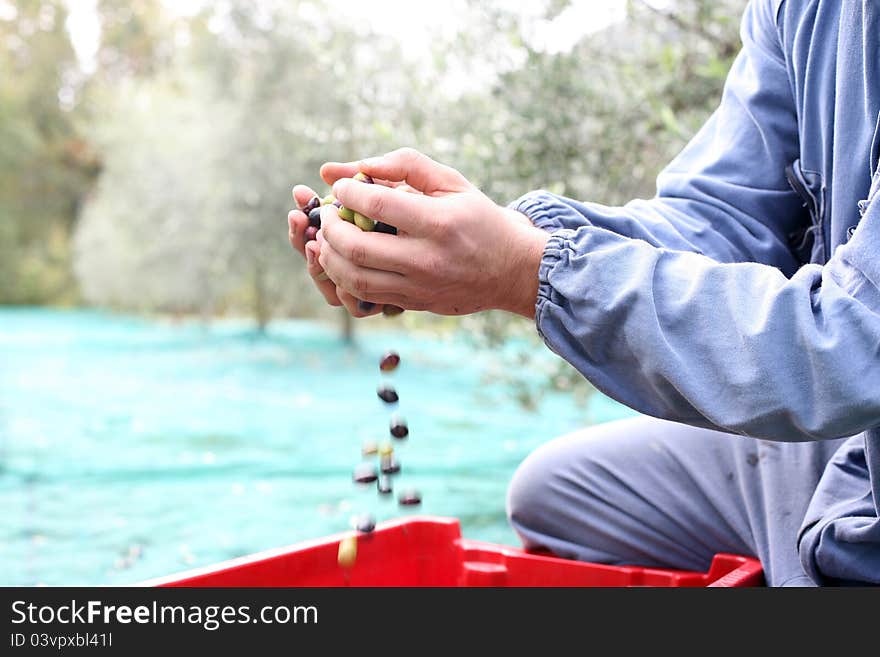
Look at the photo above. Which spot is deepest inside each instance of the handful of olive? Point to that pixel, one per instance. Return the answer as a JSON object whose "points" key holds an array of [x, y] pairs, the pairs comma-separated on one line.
{"points": [[312, 210]]}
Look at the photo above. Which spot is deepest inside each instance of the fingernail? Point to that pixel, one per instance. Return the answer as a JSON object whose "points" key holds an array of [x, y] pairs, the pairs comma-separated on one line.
{"points": [[370, 161], [322, 277], [310, 256]]}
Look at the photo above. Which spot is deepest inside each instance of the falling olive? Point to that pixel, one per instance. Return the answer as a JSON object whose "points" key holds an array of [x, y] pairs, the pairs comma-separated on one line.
{"points": [[383, 485], [410, 497], [347, 554], [385, 449], [398, 428], [387, 394], [389, 465], [365, 473], [389, 361], [365, 523], [369, 448]]}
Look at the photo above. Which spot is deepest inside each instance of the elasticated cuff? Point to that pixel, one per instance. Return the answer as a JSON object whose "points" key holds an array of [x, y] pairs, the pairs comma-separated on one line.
{"points": [[558, 244], [545, 210]]}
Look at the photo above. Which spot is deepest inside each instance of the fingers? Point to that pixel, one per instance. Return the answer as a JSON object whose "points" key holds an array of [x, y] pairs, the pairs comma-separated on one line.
{"points": [[417, 170], [360, 282], [297, 222], [411, 213], [296, 226], [302, 195], [333, 171], [367, 249], [355, 307], [322, 281]]}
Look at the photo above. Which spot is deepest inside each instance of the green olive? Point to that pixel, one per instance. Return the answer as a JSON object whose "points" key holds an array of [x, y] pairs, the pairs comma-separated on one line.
{"points": [[346, 214], [327, 200], [364, 223]]}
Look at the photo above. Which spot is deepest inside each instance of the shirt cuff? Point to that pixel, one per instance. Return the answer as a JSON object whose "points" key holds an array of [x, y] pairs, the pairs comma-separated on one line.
{"points": [[554, 251], [547, 211]]}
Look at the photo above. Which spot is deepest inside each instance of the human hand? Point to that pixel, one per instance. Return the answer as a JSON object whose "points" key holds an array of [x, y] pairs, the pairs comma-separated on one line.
{"points": [[297, 223], [456, 251]]}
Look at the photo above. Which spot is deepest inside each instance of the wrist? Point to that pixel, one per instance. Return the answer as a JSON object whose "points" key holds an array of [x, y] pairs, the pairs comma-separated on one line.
{"points": [[527, 251], [516, 216]]}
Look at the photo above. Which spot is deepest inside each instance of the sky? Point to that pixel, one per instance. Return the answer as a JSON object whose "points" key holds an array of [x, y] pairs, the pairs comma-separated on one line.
{"points": [[410, 22]]}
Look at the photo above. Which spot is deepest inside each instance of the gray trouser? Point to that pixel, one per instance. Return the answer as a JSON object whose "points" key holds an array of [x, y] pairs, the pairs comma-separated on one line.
{"points": [[654, 493]]}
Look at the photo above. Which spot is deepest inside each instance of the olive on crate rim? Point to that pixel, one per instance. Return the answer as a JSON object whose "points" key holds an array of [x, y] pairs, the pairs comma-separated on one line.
{"points": [[365, 523]]}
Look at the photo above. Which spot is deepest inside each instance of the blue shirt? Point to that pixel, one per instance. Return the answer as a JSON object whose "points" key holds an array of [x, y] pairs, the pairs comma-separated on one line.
{"points": [[745, 296]]}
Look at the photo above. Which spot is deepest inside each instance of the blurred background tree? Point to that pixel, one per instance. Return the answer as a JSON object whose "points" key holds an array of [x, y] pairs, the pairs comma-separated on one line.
{"points": [[156, 175]]}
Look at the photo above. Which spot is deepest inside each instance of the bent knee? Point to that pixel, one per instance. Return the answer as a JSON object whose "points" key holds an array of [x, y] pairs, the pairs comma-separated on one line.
{"points": [[540, 494]]}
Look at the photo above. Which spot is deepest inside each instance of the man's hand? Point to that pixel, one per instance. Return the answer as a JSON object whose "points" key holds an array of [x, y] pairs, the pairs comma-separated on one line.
{"points": [[456, 251], [297, 223]]}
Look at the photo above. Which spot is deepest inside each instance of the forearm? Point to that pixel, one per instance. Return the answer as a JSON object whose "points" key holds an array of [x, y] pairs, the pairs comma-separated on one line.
{"points": [[736, 347]]}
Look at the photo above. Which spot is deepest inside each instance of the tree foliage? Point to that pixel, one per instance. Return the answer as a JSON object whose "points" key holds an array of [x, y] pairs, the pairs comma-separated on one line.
{"points": [[171, 159]]}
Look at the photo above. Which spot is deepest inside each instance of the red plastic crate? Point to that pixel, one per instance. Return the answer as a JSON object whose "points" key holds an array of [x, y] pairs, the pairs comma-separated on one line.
{"points": [[429, 551]]}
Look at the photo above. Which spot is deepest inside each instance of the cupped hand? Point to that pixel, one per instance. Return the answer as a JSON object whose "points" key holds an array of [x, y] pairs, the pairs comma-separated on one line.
{"points": [[456, 251]]}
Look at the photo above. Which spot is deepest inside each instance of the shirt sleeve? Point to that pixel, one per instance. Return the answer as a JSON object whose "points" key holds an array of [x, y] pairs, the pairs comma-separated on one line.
{"points": [[726, 195], [699, 319]]}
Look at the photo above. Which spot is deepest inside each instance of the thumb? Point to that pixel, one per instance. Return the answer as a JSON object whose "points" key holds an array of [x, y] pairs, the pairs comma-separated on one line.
{"points": [[417, 170]]}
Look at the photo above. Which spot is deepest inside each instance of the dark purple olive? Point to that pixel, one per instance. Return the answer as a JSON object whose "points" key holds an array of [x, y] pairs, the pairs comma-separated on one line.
{"points": [[391, 311], [337, 203], [398, 428], [382, 227], [363, 177], [315, 217], [310, 234], [315, 202], [366, 306], [389, 361], [384, 485], [389, 465], [365, 523], [387, 394], [410, 497], [365, 473]]}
